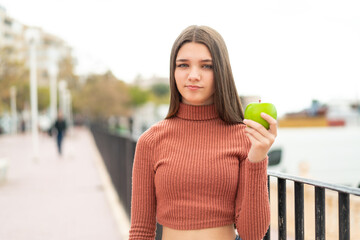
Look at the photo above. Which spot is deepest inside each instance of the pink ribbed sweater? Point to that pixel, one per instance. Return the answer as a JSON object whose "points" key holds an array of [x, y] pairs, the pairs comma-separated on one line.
{"points": [[192, 172]]}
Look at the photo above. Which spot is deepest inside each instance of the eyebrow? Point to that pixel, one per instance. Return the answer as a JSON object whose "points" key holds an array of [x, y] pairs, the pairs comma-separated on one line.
{"points": [[185, 60]]}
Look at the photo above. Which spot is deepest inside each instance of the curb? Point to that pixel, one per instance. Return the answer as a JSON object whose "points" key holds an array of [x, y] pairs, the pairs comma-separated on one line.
{"points": [[118, 211]]}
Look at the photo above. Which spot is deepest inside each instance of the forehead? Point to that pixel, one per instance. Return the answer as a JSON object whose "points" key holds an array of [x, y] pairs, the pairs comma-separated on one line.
{"points": [[193, 50]]}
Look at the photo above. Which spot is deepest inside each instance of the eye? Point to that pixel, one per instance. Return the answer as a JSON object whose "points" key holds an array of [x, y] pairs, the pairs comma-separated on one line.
{"points": [[182, 65], [208, 66]]}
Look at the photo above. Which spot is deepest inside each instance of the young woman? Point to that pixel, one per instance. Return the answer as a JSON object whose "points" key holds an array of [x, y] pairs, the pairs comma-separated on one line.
{"points": [[201, 170]]}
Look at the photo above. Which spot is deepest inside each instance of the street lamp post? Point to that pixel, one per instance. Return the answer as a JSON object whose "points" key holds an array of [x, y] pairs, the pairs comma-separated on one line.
{"points": [[71, 121], [34, 100], [53, 74], [53, 91], [62, 91], [13, 110]]}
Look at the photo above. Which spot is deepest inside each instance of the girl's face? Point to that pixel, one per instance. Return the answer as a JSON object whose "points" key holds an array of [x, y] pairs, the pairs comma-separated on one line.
{"points": [[194, 75]]}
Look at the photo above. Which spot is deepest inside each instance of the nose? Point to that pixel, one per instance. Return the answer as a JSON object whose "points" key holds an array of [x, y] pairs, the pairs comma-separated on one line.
{"points": [[194, 74]]}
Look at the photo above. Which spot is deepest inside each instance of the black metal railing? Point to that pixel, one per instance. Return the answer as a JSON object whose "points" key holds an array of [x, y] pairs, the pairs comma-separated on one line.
{"points": [[118, 153], [343, 192]]}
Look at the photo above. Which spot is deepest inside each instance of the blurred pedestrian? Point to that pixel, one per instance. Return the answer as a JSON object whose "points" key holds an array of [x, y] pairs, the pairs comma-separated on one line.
{"points": [[202, 170], [60, 126], [23, 126]]}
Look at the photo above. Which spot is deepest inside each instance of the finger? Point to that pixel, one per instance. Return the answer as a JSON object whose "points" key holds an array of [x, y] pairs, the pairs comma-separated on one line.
{"points": [[255, 134], [272, 122], [261, 134], [257, 126], [252, 139], [259, 143], [252, 123]]}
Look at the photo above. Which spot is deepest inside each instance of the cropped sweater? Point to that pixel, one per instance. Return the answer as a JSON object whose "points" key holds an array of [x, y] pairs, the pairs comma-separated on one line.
{"points": [[192, 172]]}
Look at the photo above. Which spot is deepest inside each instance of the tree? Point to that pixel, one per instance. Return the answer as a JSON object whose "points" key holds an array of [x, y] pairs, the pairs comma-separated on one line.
{"points": [[138, 96], [13, 72], [160, 89], [103, 96], [160, 93], [66, 72], [43, 98]]}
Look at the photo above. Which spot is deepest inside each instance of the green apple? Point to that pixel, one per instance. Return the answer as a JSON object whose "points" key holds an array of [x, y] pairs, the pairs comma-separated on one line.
{"points": [[253, 111]]}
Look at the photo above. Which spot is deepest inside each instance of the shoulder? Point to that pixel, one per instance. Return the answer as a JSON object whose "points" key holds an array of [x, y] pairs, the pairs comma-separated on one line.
{"points": [[150, 136], [161, 126], [146, 138]]}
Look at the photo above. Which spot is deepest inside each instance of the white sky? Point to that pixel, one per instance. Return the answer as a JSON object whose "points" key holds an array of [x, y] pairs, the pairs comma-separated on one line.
{"points": [[287, 51]]}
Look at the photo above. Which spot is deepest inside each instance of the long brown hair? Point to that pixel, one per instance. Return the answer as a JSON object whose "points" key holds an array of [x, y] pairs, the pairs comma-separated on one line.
{"points": [[226, 99]]}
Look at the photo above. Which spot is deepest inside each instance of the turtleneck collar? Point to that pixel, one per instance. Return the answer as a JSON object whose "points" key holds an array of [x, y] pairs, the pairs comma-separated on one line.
{"points": [[191, 112]]}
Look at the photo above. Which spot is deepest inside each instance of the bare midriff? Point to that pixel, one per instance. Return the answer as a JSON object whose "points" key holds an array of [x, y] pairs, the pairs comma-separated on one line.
{"points": [[218, 233]]}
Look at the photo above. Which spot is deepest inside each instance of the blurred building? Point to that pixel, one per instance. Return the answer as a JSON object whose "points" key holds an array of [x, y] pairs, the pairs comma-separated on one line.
{"points": [[344, 111], [12, 35], [50, 49], [335, 113]]}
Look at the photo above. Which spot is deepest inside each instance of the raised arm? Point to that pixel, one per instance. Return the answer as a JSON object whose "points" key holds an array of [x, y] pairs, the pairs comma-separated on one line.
{"points": [[252, 203]]}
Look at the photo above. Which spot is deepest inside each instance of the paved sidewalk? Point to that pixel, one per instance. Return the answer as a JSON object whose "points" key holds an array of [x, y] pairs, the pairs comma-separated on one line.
{"points": [[56, 197]]}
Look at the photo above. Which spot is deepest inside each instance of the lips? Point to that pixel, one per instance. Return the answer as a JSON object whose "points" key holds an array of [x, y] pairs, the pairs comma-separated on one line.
{"points": [[193, 87]]}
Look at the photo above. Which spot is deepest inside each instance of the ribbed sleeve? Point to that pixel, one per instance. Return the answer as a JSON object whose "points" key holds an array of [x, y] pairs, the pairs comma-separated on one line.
{"points": [[252, 203], [143, 203]]}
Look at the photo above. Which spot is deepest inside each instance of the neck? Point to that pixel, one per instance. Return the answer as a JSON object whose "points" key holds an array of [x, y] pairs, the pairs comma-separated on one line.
{"points": [[191, 112]]}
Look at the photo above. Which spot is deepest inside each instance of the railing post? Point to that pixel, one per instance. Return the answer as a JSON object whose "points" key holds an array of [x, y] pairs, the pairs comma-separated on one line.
{"points": [[299, 211], [282, 208], [319, 213], [344, 216]]}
